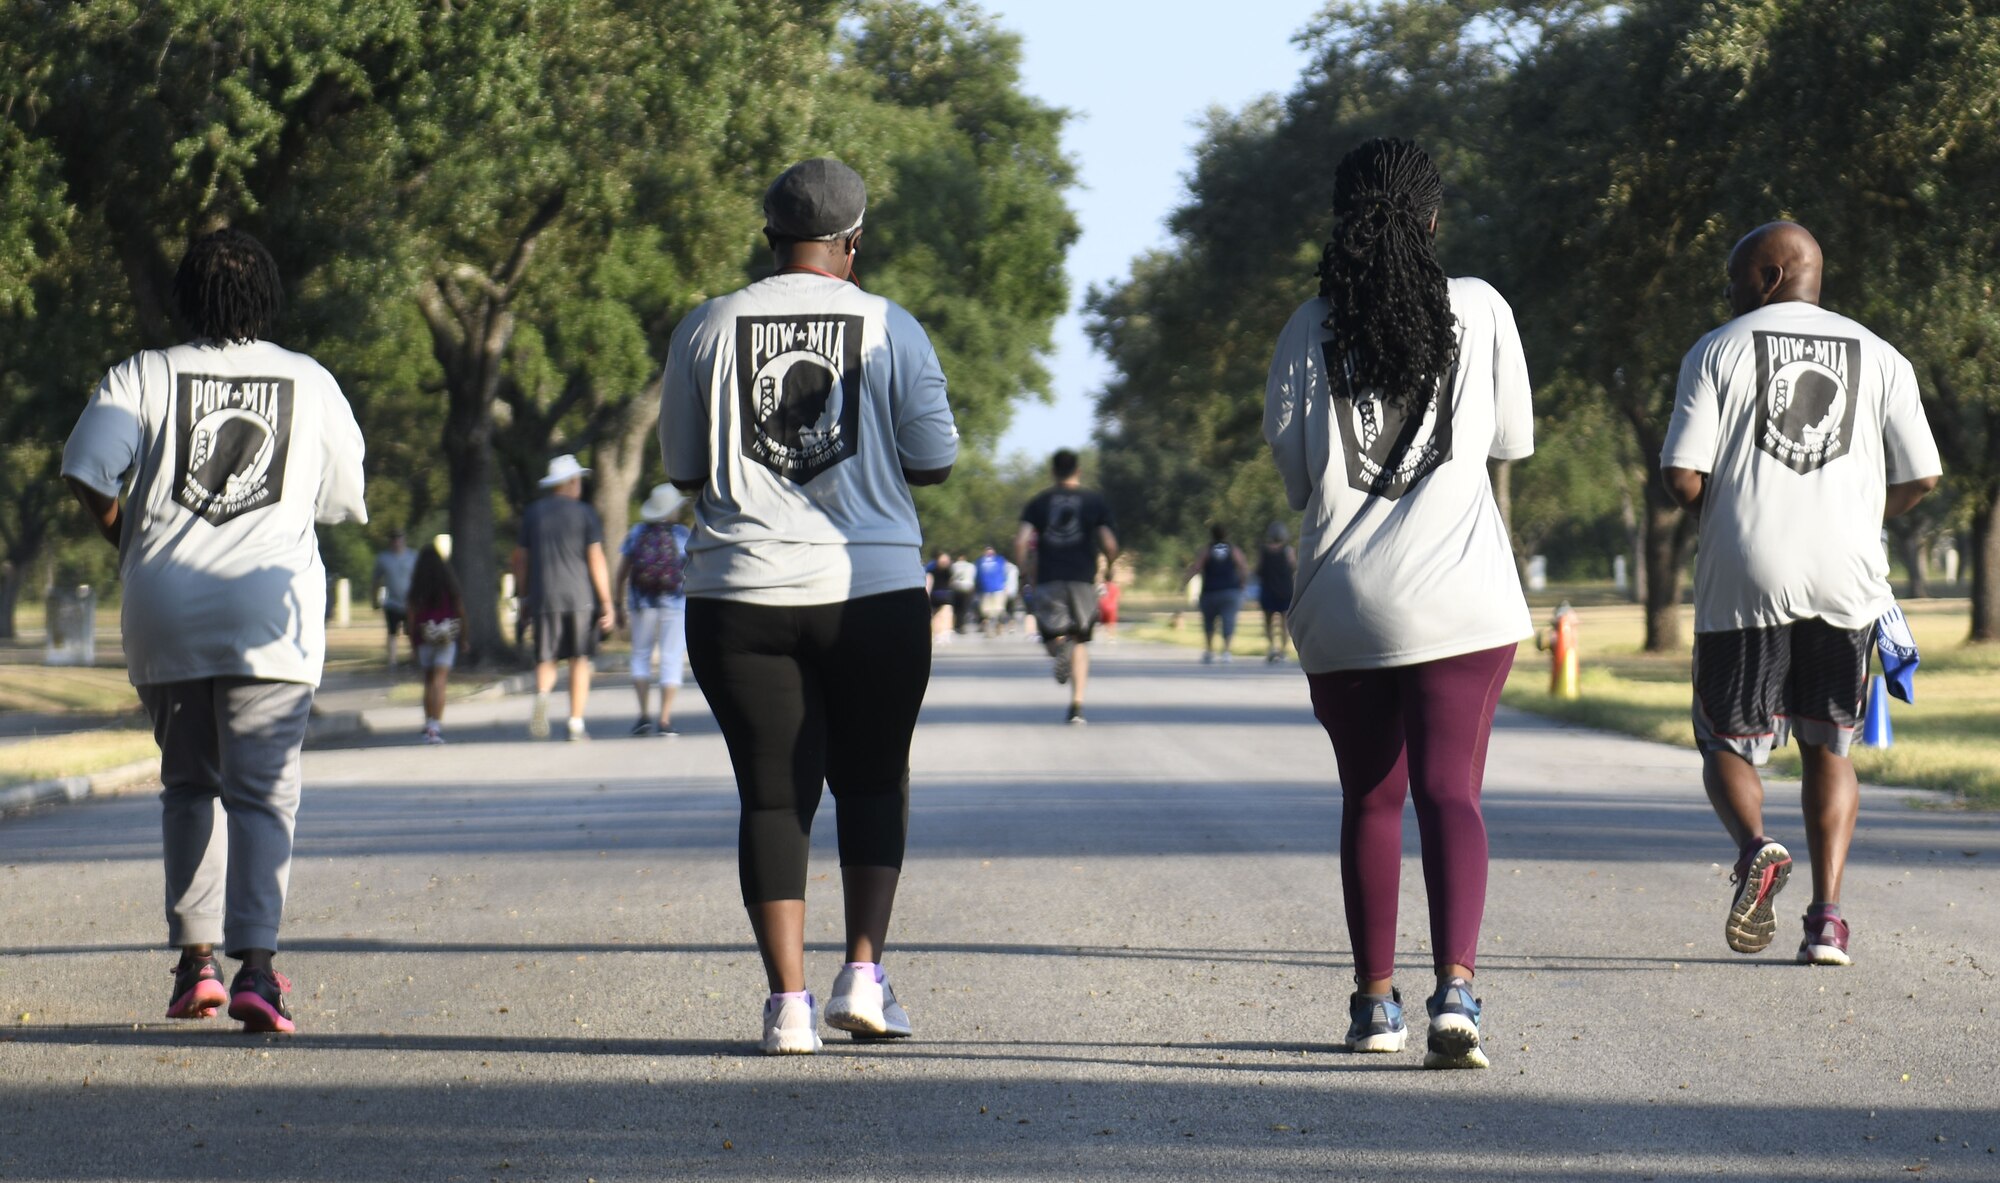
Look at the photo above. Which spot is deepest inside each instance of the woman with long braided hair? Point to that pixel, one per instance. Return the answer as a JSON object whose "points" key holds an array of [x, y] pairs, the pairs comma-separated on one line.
{"points": [[1387, 394]]}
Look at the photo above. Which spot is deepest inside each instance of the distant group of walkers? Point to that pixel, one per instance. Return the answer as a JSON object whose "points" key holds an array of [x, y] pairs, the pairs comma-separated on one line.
{"points": [[798, 412]]}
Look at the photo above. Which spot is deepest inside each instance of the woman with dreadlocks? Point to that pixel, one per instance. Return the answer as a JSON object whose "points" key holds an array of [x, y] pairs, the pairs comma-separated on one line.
{"points": [[226, 449], [1387, 394]]}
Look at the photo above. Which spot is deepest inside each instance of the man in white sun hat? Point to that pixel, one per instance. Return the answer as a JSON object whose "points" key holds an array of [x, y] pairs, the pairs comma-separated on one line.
{"points": [[565, 589], [652, 602]]}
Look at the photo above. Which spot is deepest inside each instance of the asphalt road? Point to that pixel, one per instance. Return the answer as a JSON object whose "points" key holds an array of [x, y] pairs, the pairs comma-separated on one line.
{"points": [[1121, 947]]}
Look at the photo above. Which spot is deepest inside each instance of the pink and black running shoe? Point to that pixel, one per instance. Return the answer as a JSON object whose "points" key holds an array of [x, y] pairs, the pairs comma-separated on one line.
{"points": [[257, 1000], [1826, 939], [198, 991], [1760, 874]]}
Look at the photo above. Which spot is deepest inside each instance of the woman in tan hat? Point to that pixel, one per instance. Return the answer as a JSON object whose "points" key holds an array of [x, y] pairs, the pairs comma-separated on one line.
{"points": [[651, 569]]}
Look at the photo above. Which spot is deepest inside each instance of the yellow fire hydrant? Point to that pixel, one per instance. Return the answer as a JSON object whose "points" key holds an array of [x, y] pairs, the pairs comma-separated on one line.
{"points": [[1560, 641]]}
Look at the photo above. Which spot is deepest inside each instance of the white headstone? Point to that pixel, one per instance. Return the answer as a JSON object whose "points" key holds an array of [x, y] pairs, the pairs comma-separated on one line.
{"points": [[72, 625], [343, 602], [1619, 576], [1538, 572]]}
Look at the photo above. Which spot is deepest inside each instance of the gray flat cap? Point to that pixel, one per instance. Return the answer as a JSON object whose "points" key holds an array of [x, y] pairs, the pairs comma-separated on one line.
{"points": [[815, 200]]}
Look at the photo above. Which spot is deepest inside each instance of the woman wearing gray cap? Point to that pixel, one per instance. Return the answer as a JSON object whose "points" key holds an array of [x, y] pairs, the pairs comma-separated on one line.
{"points": [[800, 410]]}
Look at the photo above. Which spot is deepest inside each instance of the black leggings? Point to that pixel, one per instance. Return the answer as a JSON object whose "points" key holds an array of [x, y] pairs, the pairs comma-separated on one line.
{"points": [[822, 694]]}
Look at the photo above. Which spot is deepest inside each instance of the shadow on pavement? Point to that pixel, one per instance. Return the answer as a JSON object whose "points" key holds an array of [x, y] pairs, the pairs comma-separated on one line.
{"points": [[1038, 814], [822, 1119]]}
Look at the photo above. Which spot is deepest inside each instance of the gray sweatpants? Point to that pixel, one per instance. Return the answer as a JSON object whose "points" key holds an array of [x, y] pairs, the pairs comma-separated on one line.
{"points": [[229, 767]]}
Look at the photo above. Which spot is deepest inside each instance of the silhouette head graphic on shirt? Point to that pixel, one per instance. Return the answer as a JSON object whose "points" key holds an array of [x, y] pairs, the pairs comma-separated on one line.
{"points": [[1806, 404], [796, 403]]}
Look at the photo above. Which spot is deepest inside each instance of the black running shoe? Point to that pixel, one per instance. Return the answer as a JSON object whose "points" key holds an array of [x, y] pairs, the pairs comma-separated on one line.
{"points": [[257, 1000], [1075, 717], [198, 991], [643, 727]]}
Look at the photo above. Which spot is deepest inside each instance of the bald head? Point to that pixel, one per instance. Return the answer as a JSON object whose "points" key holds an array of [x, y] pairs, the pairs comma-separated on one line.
{"points": [[1776, 262]]}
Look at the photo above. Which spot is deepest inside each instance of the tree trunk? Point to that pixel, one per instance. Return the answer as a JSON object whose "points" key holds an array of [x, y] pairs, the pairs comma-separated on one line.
{"points": [[1986, 567], [620, 461], [1635, 546], [469, 461], [1501, 472], [1667, 535], [12, 576], [471, 344], [1914, 546]]}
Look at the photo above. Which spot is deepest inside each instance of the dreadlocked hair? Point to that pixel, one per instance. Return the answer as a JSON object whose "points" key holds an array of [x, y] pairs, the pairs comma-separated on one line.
{"points": [[1391, 308], [227, 288]]}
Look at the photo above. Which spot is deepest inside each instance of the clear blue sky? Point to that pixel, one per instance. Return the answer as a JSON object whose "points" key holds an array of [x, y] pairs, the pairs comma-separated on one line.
{"points": [[1138, 78]]}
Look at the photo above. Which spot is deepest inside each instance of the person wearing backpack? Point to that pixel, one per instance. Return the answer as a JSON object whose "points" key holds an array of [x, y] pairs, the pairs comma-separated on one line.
{"points": [[653, 605]]}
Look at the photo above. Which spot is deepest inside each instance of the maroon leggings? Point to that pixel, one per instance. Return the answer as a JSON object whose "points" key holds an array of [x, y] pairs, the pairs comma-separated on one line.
{"points": [[1421, 727]]}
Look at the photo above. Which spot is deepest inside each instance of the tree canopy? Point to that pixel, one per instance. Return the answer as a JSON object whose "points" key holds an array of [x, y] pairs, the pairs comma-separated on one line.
{"points": [[1600, 160], [490, 216]]}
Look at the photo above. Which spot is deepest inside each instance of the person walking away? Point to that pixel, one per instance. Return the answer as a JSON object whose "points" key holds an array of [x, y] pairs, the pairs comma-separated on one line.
{"points": [[964, 584], [1223, 569], [228, 449], [800, 410], [937, 584], [1277, 565], [436, 623], [1016, 604], [559, 562], [1063, 530], [1108, 593], [992, 588], [391, 581], [1387, 394], [652, 601], [1795, 433]]}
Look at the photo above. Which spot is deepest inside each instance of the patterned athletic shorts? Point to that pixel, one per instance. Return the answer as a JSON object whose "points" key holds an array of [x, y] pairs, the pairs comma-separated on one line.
{"points": [[1755, 688]]}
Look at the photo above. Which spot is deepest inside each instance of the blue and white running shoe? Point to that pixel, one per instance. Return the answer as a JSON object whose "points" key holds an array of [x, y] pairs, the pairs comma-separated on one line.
{"points": [[1454, 1034], [1375, 1022]]}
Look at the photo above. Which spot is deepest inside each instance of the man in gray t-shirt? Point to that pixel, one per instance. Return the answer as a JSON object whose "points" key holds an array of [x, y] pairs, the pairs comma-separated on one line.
{"points": [[565, 584], [1795, 432]]}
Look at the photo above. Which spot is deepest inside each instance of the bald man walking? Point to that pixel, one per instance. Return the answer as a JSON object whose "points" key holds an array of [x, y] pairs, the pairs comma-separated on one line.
{"points": [[1795, 433]]}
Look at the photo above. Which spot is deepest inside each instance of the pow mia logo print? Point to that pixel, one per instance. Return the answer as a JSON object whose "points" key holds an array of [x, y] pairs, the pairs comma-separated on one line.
{"points": [[1805, 398], [798, 382], [1389, 450], [234, 436]]}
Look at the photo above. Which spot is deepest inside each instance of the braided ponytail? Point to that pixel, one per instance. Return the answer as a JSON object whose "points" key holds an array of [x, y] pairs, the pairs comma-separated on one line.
{"points": [[1391, 310]]}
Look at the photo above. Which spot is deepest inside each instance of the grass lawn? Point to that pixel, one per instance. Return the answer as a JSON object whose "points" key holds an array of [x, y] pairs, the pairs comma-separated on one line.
{"points": [[1948, 739], [57, 690], [76, 754]]}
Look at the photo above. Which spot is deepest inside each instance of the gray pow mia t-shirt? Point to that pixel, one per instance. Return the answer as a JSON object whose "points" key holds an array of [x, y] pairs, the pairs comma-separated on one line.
{"points": [[557, 532], [228, 455], [800, 400], [1403, 556], [1801, 418]]}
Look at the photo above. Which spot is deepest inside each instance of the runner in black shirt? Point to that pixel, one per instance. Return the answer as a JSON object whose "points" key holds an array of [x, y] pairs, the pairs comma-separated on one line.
{"points": [[1064, 529]]}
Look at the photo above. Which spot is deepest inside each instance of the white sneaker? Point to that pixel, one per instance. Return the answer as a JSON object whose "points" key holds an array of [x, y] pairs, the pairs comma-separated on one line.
{"points": [[789, 1027], [538, 719], [865, 1006], [577, 732]]}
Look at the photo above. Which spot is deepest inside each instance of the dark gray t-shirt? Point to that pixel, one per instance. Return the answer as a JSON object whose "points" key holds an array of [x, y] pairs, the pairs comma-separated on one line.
{"points": [[557, 532], [1066, 522]]}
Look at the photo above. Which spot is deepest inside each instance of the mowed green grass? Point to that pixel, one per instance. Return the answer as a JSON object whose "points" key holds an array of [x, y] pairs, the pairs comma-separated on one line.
{"points": [[1948, 739], [76, 754]]}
